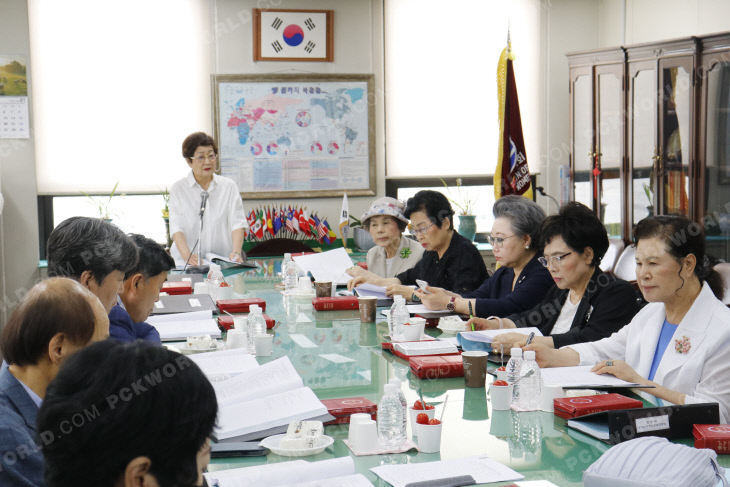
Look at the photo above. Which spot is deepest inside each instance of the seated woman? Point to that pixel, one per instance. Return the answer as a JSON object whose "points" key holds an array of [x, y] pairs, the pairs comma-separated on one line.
{"points": [[679, 342], [393, 253], [521, 281], [450, 261], [586, 304]]}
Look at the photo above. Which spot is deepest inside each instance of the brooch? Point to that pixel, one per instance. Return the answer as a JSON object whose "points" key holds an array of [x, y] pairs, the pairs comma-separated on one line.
{"points": [[405, 253], [683, 345]]}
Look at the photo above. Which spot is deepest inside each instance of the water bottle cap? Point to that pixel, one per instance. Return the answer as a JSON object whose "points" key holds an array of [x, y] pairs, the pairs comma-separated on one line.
{"points": [[400, 299], [516, 352], [215, 267], [395, 381], [287, 256], [390, 388], [530, 355], [253, 308]]}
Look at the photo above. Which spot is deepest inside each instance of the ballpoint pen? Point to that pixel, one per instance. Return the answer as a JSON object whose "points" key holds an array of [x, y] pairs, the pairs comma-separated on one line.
{"points": [[529, 339]]}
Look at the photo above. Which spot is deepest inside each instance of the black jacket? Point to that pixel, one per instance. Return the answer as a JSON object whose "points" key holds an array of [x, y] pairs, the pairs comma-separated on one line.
{"points": [[607, 305]]}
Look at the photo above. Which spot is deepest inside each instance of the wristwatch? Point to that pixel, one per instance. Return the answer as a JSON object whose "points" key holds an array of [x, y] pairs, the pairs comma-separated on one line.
{"points": [[451, 306]]}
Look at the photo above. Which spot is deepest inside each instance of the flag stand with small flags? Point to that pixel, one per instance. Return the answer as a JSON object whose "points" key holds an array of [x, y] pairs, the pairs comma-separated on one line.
{"points": [[344, 220], [512, 175]]}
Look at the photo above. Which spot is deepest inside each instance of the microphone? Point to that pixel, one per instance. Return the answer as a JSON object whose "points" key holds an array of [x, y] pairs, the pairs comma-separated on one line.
{"points": [[541, 190], [203, 201]]}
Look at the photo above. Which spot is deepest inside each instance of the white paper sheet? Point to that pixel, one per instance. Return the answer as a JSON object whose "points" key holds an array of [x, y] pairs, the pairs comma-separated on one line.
{"points": [[172, 331], [580, 376], [357, 480], [281, 474], [487, 336], [302, 340], [326, 266], [265, 380], [482, 468], [336, 358], [176, 317], [434, 347], [222, 363], [371, 290]]}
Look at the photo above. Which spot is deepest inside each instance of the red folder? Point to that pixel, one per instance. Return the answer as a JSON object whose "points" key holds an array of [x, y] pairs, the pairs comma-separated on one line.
{"points": [[437, 366], [239, 305], [335, 303], [176, 288], [225, 323], [342, 409], [573, 407], [713, 436]]}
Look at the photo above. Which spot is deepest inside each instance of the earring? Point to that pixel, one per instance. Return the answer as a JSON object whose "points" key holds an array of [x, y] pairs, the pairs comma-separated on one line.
{"points": [[527, 247]]}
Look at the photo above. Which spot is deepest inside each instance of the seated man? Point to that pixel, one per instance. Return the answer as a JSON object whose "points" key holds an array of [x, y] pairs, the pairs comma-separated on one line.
{"points": [[143, 418], [93, 252], [55, 319], [142, 285]]}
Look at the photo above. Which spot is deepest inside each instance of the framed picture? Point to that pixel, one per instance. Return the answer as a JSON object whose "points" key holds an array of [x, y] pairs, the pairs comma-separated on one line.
{"points": [[296, 135], [293, 35]]}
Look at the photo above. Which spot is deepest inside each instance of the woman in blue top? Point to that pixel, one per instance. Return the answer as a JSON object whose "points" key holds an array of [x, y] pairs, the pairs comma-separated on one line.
{"points": [[520, 282]]}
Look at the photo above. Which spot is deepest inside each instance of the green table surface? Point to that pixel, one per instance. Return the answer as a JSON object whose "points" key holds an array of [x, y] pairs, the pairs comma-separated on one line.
{"points": [[538, 445]]}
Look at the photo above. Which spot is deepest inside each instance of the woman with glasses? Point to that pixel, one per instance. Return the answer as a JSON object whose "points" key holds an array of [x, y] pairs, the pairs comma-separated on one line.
{"points": [[520, 282], [679, 343], [224, 220], [586, 304], [450, 261]]}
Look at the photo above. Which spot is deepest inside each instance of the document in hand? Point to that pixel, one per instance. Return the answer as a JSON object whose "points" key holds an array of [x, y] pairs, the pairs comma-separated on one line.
{"points": [[469, 340], [326, 266], [287, 474], [481, 468]]}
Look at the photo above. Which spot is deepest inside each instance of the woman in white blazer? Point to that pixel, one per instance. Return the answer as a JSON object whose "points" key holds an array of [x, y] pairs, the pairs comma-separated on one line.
{"points": [[393, 252], [680, 342]]}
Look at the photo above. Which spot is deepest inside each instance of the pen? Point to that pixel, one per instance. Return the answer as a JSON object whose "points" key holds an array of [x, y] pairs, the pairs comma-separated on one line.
{"points": [[529, 339], [472, 323]]}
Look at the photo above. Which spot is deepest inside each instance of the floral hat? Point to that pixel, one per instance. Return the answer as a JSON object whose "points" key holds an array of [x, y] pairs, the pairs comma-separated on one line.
{"points": [[386, 206]]}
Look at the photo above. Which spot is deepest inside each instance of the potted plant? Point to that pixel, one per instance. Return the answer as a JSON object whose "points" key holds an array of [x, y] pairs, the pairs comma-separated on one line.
{"points": [[650, 197], [101, 205], [361, 237], [467, 218], [166, 216]]}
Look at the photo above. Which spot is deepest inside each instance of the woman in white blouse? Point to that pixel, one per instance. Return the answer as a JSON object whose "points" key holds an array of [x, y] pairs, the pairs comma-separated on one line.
{"points": [[680, 342], [224, 220]]}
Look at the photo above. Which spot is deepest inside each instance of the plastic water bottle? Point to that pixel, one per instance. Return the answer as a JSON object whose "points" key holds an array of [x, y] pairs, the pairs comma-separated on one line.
{"points": [[390, 419], [397, 383], [530, 386], [256, 326], [214, 280], [289, 273], [514, 367], [399, 316]]}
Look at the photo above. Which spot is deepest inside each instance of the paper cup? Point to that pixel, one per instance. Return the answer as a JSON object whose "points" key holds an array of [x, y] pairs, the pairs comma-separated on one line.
{"points": [[323, 288], [411, 333], [502, 375], [501, 397], [363, 436], [414, 414], [240, 324], [368, 309], [304, 285], [429, 437], [547, 396], [225, 292], [475, 368], [200, 288], [236, 339], [263, 344], [359, 417], [420, 323]]}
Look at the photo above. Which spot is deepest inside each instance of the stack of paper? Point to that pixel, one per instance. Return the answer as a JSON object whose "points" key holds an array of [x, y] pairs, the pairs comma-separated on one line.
{"points": [[259, 381], [326, 266], [481, 468], [434, 347], [337, 472], [172, 331]]}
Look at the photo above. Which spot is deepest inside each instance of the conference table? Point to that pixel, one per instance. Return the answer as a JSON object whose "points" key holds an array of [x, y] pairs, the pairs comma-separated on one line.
{"points": [[538, 444]]}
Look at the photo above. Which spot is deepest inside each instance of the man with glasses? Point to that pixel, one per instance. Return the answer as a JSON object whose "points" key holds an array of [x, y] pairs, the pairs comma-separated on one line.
{"points": [[204, 194]]}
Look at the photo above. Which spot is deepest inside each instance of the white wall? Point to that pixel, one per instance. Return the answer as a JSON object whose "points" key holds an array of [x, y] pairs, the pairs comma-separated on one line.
{"points": [[17, 173]]}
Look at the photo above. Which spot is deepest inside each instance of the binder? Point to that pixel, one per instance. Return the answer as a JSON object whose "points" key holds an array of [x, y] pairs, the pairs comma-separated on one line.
{"points": [[670, 422], [183, 304]]}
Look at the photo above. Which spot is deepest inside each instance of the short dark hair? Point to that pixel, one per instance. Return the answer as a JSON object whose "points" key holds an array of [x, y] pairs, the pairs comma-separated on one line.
{"points": [[579, 227], [141, 400], [435, 204], [682, 237], [195, 140], [56, 305], [153, 258], [81, 244]]}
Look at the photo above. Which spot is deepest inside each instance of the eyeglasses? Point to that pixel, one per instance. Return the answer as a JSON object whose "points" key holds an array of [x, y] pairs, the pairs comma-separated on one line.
{"points": [[416, 230], [555, 261], [210, 157], [497, 242]]}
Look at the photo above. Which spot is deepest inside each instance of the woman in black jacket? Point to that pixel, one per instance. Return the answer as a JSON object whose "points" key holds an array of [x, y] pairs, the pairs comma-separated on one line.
{"points": [[586, 304]]}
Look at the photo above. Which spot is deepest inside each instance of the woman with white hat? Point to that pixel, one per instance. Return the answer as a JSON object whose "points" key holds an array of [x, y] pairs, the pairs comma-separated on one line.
{"points": [[393, 252]]}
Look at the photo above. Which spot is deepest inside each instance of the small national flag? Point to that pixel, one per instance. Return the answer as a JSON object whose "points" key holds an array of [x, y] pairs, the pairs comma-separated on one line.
{"points": [[295, 221], [277, 221], [312, 225], [269, 222], [317, 228], [304, 223], [344, 220], [290, 222], [261, 222], [257, 229]]}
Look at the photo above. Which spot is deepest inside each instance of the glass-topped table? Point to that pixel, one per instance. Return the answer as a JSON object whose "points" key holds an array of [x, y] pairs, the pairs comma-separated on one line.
{"points": [[536, 444]]}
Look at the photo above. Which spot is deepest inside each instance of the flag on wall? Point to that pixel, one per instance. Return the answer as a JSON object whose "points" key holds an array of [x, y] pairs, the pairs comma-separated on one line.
{"points": [[344, 220], [512, 175]]}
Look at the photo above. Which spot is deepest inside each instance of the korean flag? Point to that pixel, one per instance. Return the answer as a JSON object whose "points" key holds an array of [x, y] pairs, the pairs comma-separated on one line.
{"points": [[293, 34]]}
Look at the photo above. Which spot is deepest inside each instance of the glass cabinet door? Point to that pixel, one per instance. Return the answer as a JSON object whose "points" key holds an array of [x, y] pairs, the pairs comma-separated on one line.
{"points": [[642, 140], [582, 137], [609, 128]]}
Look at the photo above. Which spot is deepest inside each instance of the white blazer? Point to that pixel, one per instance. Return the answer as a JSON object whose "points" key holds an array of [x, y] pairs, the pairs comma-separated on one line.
{"points": [[702, 373], [376, 258]]}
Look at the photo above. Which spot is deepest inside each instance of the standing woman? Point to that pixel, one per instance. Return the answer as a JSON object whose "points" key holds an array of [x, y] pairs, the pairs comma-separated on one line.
{"points": [[224, 220]]}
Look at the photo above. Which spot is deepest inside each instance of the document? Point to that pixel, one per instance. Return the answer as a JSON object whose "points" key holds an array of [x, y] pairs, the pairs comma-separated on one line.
{"points": [[285, 474], [371, 290], [226, 362], [181, 330], [581, 376], [434, 347], [326, 266], [357, 480], [260, 381], [190, 316], [487, 336], [481, 468]]}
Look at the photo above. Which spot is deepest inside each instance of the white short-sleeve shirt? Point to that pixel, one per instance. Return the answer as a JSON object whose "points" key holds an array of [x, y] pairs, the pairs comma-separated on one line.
{"points": [[223, 214]]}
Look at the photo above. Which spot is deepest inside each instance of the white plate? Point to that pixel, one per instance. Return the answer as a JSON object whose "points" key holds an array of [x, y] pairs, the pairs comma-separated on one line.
{"points": [[185, 350], [272, 443], [450, 329]]}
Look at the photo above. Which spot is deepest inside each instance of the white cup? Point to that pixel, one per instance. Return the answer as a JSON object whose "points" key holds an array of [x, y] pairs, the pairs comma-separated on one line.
{"points": [[304, 286], [411, 333], [263, 344], [547, 394], [236, 339], [501, 397], [240, 324], [363, 436], [429, 437], [414, 414], [200, 288], [502, 375], [420, 323], [225, 292], [360, 417]]}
